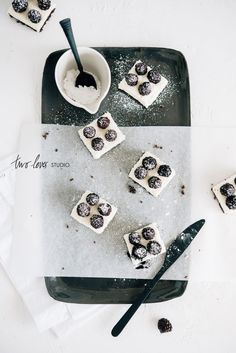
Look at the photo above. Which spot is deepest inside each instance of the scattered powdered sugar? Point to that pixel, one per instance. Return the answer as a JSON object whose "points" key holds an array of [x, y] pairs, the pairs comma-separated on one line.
{"points": [[83, 95]]}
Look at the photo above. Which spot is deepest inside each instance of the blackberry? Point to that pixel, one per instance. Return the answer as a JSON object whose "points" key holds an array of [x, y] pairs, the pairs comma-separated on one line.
{"points": [[140, 173], [19, 5], [131, 79], [231, 202], [89, 132], [92, 199], [141, 68], [134, 238], [103, 122], [139, 252], [153, 247], [227, 189], [34, 16], [154, 182], [149, 163], [164, 325], [97, 144], [44, 4], [164, 170], [96, 221], [148, 233], [154, 76], [111, 135], [83, 209], [145, 88], [104, 209]]}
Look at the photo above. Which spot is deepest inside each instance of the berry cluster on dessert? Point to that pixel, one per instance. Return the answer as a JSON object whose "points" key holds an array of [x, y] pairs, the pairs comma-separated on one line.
{"points": [[225, 193]]}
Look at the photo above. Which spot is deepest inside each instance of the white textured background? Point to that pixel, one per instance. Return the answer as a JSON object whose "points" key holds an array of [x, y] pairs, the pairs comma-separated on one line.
{"points": [[204, 31]]}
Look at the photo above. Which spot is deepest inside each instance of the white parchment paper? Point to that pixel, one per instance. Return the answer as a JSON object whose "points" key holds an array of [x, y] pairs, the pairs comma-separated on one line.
{"points": [[51, 243]]}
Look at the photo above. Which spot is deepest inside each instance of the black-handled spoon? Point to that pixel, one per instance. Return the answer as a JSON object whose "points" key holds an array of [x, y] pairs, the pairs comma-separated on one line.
{"points": [[83, 78], [175, 250]]}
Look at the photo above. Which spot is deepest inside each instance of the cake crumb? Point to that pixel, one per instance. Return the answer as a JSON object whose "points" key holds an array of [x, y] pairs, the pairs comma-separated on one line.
{"points": [[91, 176], [132, 189], [157, 146], [141, 201], [71, 179], [183, 189], [45, 135], [56, 150], [67, 226]]}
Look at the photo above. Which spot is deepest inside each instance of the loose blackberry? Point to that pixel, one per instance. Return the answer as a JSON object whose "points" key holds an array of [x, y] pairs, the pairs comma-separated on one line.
{"points": [[153, 247], [34, 16], [139, 252], [141, 68], [227, 189], [145, 88], [96, 221], [154, 76], [19, 5], [97, 144], [148, 233], [131, 79], [164, 325], [83, 209], [92, 199], [154, 182], [134, 238], [103, 122], [89, 132], [104, 209], [140, 173], [164, 170], [44, 4], [111, 135], [149, 163], [231, 202]]}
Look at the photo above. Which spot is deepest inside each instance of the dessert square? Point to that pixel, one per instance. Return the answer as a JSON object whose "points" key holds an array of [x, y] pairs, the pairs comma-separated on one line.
{"points": [[225, 194], [33, 13], [151, 173], [143, 83], [144, 244], [101, 135], [93, 212]]}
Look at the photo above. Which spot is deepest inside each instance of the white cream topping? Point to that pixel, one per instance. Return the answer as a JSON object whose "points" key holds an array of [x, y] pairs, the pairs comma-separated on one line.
{"points": [[156, 89], [93, 211], [108, 145], [144, 242], [23, 16], [221, 198], [144, 182]]}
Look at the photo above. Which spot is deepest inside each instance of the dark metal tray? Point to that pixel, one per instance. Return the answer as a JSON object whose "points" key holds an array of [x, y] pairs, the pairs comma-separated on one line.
{"points": [[170, 109]]}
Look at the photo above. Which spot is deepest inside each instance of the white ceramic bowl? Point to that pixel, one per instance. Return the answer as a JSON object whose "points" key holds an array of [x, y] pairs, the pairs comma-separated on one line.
{"points": [[92, 62]]}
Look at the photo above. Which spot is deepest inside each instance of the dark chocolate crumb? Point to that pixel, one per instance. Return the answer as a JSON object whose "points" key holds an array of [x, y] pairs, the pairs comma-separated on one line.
{"points": [[76, 230], [185, 276], [141, 201], [94, 242], [45, 135], [71, 179], [63, 268], [132, 189], [56, 150], [91, 176], [67, 226], [157, 146]]}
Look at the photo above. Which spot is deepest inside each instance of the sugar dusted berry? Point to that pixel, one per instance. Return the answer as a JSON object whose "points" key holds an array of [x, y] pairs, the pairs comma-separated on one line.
{"points": [[140, 173], [92, 199], [111, 135], [97, 144], [148, 233], [139, 252], [134, 238], [83, 209], [231, 202], [103, 122], [44, 4], [131, 79], [96, 221], [19, 5], [141, 68], [104, 209], [227, 189], [145, 88], [154, 182], [89, 132], [34, 16], [149, 163], [164, 170], [154, 76], [153, 247]]}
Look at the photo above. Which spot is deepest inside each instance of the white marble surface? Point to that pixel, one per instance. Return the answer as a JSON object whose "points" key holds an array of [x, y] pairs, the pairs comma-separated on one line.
{"points": [[203, 318]]}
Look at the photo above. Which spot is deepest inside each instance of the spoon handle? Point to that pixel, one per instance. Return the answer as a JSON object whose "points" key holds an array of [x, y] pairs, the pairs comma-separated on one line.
{"points": [[134, 307], [66, 26]]}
